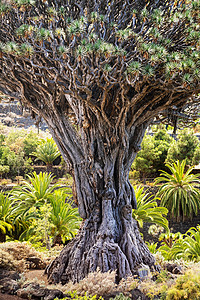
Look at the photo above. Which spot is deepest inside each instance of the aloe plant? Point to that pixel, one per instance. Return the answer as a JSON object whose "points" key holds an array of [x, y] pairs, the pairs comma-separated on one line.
{"points": [[178, 190], [148, 210]]}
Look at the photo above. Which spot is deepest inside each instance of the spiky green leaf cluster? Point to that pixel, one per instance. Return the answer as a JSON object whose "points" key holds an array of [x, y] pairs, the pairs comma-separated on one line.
{"points": [[148, 210], [178, 190]]}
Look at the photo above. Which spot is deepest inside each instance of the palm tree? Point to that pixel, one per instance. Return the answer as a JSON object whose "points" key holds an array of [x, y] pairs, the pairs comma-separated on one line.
{"points": [[148, 210], [64, 218], [47, 152], [5, 215], [178, 191]]}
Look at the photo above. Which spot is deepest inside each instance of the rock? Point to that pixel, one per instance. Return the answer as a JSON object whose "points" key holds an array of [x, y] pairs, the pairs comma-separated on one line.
{"points": [[52, 294], [35, 292], [11, 274], [143, 272], [173, 268], [137, 294], [26, 291], [35, 263], [109, 296], [9, 286]]}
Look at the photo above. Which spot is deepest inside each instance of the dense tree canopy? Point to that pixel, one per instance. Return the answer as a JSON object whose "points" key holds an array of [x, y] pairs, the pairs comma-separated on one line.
{"points": [[98, 72], [126, 59]]}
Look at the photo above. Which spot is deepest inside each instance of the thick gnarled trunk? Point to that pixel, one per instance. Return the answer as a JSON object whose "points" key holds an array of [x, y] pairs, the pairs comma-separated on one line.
{"points": [[109, 238]]}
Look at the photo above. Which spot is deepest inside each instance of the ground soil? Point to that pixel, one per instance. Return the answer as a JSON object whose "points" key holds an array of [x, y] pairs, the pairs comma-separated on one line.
{"points": [[29, 275]]}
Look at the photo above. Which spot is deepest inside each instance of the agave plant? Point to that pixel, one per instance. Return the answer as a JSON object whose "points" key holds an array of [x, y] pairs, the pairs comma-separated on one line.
{"points": [[47, 152], [178, 191], [148, 210], [5, 216], [64, 218]]}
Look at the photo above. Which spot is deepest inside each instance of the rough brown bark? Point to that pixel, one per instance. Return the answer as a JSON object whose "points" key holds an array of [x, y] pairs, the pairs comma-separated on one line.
{"points": [[109, 238]]}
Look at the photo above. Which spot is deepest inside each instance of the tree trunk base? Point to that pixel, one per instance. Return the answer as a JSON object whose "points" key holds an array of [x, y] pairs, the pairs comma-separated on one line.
{"points": [[89, 251]]}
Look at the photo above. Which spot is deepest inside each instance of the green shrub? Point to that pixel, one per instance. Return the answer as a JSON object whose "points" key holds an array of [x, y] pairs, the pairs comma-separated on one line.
{"points": [[31, 142], [186, 287], [153, 153], [15, 161], [186, 147], [4, 170]]}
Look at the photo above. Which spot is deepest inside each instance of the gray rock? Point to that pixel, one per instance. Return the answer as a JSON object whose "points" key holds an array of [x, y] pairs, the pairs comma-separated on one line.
{"points": [[52, 294], [11, 274], [9, 286]]}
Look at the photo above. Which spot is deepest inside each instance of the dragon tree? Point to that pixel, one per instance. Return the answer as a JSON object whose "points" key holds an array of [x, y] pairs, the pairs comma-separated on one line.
{"points": [[98, 72]]}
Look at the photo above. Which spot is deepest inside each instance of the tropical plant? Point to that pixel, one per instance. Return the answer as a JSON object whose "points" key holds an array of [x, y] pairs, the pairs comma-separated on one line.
{"points": [[47, 151], [21, 223], [5, 215], [178, 190], [65, 220], [34, 192], [186, 246], [152, 247], [148, 210]]}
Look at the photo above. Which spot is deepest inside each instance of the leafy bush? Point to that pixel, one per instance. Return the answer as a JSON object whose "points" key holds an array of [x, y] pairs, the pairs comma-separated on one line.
{"points": [[187, 246], [178, 191], [153, 154], [187, 286], [30, 142], [15, 161], [185, 148], [148, 210], [4, 170], [41, 213]]}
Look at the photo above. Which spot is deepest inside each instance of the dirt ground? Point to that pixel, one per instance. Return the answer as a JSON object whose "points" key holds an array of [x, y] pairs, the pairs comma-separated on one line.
{"points": [[30, 275]]}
